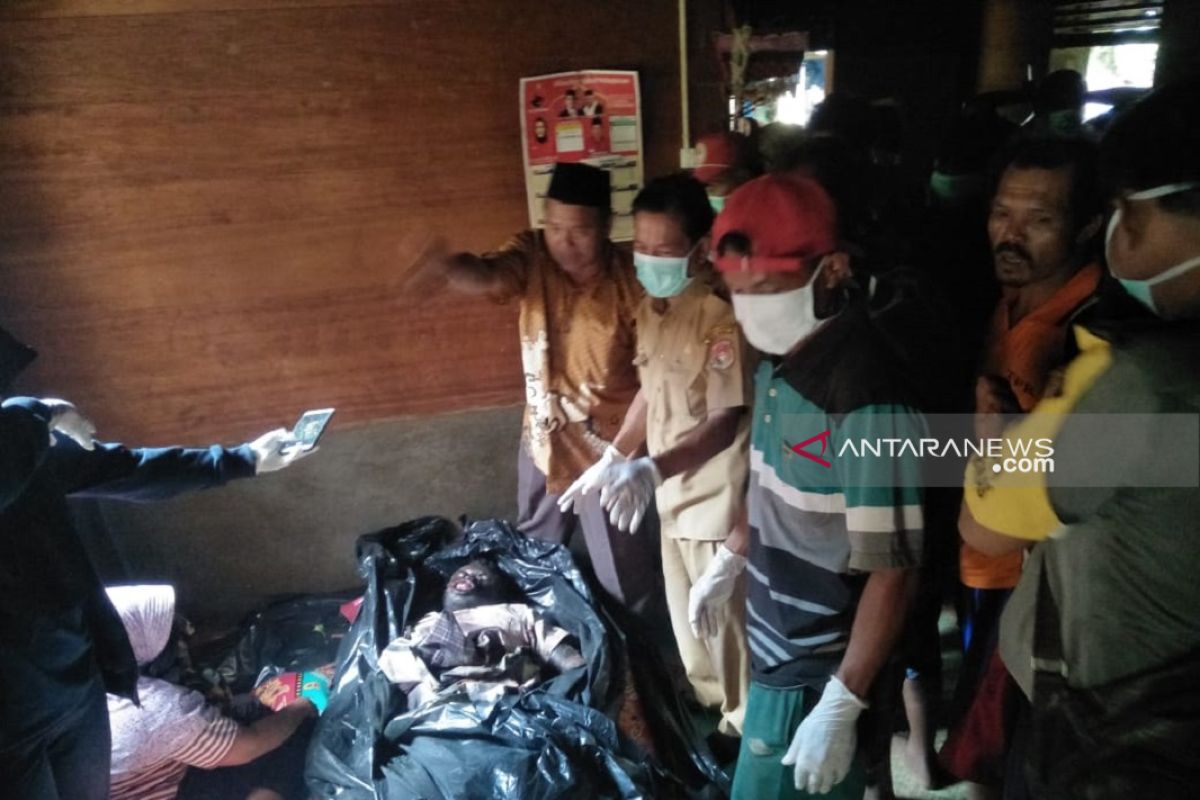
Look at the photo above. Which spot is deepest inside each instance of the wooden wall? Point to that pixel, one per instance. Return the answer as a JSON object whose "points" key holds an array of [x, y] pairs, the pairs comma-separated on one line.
{"points": [[201, 201]]}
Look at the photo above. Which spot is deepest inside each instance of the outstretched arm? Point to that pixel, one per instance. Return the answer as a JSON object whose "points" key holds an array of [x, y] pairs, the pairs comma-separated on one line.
{"points": [[115, 472], [268, 733], [499, 275]]}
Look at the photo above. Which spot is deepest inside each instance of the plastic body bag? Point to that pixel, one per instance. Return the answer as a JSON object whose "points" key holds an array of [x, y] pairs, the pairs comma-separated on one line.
{"points": [[473, 740], [295, 635]]}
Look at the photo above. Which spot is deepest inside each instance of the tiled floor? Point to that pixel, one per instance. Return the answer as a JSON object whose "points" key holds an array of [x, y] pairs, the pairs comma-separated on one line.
{"points": [[904, 784]]}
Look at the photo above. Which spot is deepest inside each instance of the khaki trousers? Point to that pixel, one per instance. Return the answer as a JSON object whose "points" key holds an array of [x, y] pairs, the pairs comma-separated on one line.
{"points": [[718, 668]]}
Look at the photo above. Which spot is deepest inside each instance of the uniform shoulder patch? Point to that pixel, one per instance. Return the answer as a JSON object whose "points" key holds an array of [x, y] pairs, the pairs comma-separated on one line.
{"points": [[724, 330], [721, 354]]}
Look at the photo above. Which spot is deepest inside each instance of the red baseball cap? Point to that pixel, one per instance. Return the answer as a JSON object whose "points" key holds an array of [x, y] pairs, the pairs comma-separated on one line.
{"points": [[718, 153], [788, 219]]}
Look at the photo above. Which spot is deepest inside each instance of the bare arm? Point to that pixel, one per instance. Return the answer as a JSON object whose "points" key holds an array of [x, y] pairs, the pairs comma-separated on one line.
{"points": [[984, 539], [632, 435], [703, 442], [738, 540], [877, 625], [470, 274], [266, 734], [436, 268]]}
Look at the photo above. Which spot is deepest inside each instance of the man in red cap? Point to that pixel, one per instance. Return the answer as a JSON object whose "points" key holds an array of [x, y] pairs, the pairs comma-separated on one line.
{"points": [[724, 161], [835, 534], [578, 296]]}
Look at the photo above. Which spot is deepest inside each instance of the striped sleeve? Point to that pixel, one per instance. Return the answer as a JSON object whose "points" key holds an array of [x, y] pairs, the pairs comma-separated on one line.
{"points": [[212, 741], [883, 493], [204, 735]]}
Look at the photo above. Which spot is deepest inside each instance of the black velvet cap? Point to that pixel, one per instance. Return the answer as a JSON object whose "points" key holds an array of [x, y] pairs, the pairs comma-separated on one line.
{"points": [[580, 185]]}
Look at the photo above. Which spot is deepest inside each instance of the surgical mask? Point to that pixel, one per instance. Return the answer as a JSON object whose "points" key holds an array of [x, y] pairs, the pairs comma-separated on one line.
{"points": [[663, 276], [1141, 289], [776, 323], [956, 189], [717, 201]]}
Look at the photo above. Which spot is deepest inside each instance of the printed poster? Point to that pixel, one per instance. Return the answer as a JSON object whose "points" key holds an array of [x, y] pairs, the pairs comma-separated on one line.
{"points": [[593, 116]]}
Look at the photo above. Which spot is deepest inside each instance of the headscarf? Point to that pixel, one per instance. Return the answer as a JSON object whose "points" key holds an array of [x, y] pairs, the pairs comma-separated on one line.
{"points": [[147, 612]]}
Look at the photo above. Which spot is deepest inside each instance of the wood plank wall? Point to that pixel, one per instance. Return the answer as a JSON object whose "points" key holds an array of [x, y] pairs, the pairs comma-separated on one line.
{"points": [[201, 201]]}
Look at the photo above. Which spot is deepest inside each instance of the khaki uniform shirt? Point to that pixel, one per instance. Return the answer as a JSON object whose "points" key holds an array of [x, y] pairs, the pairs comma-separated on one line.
{"points": [[577, 349], [691, 361]]}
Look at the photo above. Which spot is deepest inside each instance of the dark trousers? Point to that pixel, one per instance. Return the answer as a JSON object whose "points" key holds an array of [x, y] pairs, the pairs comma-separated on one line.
{"points": [[979, 615], [628, 567], [70, 762], [1016, 785]]}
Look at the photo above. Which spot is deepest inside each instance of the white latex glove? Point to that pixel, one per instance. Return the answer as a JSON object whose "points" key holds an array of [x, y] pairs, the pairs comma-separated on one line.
{"points": [[277, 449], [628, 488], [709, 598], [590, 480], [823, 747], [66, 419]]}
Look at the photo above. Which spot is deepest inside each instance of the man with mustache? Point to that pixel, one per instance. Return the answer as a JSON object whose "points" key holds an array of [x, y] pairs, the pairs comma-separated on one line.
{"points": [[1043, 221]]}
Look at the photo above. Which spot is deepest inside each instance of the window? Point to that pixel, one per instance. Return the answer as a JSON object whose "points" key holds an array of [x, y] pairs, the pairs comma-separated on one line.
{"points": [[1113, 44], [1104, 67], [789, 100]]}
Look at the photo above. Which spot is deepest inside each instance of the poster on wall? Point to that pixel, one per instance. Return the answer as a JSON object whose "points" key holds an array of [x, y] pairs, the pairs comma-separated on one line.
{"points": [[593, 116]]}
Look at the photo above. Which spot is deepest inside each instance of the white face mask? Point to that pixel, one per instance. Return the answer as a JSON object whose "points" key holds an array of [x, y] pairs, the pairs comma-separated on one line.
{"points": [[1140, 289], [776, 323]]}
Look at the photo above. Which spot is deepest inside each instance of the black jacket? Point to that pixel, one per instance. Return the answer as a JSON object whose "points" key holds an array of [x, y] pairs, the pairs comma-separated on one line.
{"points": [[53, 608]]}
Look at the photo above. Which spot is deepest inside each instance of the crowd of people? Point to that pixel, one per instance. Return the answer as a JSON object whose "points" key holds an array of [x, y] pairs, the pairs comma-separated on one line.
{"points": [[780, 312], [686, 405]]}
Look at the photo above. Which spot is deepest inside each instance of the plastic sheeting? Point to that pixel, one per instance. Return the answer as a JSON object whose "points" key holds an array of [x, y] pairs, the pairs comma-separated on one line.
{"points": [[481, 742], [296, 635]]}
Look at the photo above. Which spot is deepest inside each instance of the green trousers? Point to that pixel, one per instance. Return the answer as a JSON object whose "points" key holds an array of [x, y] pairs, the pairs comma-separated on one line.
{"points": [[772, 716]]}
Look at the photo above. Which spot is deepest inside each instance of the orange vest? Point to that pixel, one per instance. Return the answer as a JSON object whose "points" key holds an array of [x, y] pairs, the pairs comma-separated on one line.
{"points": [[1025, 354]]}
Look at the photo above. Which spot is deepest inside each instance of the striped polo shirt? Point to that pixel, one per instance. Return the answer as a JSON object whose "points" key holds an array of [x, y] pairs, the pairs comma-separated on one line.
{"points": [[154, 743], [819, 523]]}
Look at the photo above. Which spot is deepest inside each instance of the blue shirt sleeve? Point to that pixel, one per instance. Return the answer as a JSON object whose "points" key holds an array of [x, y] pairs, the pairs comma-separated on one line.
{"points": [[24, 443], [115, 472]]}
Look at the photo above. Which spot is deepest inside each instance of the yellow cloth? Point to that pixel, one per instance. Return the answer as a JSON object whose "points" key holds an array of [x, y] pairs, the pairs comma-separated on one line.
{"points": [[1009, 503], [1024, 354]]}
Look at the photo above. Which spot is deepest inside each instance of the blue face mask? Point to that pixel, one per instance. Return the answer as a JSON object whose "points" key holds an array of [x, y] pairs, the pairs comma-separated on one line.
{"points": [[663, 276], [717, 201], [1141, 289], [952, 190]]}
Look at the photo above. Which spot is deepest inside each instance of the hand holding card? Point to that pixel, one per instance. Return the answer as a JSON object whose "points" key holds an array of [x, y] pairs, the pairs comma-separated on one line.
{"points": [[310, 427]]}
